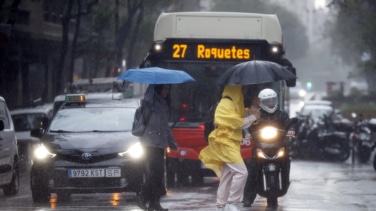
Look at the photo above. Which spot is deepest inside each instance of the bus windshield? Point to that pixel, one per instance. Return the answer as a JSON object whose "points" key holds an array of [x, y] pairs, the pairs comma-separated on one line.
{"points": [[190, 101]]}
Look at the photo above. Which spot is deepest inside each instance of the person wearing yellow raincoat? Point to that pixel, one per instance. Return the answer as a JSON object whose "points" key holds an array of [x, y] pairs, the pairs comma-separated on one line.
{"points": [[222, 155]]}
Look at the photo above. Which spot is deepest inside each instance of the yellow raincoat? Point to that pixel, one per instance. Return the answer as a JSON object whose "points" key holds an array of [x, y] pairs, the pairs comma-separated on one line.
{"points": [[224, 141]]}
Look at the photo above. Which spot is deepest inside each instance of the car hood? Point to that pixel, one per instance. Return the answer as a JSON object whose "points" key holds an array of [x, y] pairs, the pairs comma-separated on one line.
{"points": [[91, 142]]}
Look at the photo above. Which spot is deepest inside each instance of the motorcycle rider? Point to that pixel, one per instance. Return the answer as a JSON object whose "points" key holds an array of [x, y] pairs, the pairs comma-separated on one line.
{"points": [[270, 114]]}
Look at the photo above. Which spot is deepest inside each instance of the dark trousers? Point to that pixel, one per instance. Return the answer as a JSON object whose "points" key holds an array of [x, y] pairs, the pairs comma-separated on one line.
{"points": [[154, 188], [251, 183]]}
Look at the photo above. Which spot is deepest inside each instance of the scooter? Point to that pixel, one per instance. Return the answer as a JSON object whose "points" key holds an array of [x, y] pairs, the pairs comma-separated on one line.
{"points": [[299, 147], [273, 162], [325, 141], [361, 141]]}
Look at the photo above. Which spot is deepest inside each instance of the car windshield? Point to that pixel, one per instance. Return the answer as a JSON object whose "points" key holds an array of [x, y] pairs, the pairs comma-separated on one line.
{"points": [[93, 119], [316, 111], [26, 122]]}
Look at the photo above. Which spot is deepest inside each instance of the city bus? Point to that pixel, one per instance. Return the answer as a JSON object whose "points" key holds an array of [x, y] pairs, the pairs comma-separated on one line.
{"points": [[205, 44]]}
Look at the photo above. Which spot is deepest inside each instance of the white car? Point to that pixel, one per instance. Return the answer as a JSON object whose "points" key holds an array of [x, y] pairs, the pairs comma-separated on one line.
{"points": [[9, 159], [26, 119], [297, 92]]}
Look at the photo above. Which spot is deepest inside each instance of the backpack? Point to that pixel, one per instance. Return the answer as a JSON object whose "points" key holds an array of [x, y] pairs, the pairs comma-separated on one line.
{"points": [[209, 119], [139, 121]]}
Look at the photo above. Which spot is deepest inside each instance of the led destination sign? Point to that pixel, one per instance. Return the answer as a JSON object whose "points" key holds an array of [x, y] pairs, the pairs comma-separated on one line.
{"points": [[211, 50], [204, 52]]}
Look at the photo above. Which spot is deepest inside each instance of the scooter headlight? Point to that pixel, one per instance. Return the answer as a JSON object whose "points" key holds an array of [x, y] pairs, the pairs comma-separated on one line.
{"points": [[281, 153], [261, 154], [136, 151], [268, 132]]}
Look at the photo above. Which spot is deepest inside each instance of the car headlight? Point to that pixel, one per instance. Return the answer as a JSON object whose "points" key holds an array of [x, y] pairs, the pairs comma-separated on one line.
{"points": [[136, 151], [41, 153], [268, 132], [302, 93]]}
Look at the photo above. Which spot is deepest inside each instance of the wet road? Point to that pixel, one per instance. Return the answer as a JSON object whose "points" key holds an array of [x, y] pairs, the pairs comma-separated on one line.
{"points": [[315, 186]]}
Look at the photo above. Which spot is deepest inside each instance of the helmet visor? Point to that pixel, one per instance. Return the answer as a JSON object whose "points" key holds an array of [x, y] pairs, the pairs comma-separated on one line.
{"points": [[269, 102]]}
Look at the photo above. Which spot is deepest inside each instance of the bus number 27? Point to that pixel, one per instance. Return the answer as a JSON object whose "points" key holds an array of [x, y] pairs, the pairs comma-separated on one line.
{"points": [[179, 51]]}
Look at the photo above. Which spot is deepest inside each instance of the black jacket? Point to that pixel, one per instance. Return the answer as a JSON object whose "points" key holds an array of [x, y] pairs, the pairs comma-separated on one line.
{"points": [[279, 119]]}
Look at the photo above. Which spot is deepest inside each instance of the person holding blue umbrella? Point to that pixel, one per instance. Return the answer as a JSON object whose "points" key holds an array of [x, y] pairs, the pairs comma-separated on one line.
{"points": [[156, 138], [157, 135]]}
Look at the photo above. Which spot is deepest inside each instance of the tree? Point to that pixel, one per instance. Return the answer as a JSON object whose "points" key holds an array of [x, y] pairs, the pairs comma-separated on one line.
{"points": [[70, 12], [355, 44], [8, 12]]}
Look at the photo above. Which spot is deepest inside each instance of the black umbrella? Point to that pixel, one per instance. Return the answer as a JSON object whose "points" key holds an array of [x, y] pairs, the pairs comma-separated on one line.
{"points": [[255, 72]]}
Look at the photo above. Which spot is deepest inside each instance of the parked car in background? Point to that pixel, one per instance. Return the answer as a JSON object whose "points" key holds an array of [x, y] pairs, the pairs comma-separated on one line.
{"points": [[26, 119], [297, 92], [316, 108], [9, 159]]}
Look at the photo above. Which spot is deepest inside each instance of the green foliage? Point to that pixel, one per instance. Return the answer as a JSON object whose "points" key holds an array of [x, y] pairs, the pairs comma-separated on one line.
{"points": [[353, 32]]}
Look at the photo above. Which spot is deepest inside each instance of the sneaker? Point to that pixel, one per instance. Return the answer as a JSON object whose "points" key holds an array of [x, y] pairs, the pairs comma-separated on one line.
{"points": [[231, 207]]}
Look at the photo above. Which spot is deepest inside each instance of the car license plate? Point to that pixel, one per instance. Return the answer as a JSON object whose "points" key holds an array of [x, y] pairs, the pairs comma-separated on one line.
{"points": [[88, 173]]}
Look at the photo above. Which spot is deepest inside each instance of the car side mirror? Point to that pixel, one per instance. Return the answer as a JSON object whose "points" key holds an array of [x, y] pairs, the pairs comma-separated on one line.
{"points": [[37, 132], [1, 125]]}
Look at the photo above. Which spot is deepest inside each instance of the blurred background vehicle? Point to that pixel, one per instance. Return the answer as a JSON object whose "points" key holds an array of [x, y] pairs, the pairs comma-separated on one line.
{"points": [[26, 119], [298, 92], [316, 109], [9, 159]]}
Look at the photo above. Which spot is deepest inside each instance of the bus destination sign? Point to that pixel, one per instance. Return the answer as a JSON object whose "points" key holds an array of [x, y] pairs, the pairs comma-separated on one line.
{"points": [[205, 51]]}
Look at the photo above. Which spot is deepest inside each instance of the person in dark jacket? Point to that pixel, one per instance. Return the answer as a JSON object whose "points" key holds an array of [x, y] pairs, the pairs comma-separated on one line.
{"points": [[156, 138], [270, 114]]}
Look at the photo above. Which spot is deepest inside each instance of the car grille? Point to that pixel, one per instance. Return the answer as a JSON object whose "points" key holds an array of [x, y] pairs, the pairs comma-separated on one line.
{"points": [[78, 159]]}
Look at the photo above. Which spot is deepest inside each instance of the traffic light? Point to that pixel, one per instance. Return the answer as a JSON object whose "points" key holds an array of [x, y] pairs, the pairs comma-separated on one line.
{"points": [[309, 85]]}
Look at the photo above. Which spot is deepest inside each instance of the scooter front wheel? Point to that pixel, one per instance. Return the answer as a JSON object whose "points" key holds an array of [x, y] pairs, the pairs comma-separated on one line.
{"points": [[374, 162], [272, 202]]}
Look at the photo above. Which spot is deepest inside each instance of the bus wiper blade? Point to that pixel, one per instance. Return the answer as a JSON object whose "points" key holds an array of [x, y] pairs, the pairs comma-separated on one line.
{"points": [[107, 131], [61, 131]]}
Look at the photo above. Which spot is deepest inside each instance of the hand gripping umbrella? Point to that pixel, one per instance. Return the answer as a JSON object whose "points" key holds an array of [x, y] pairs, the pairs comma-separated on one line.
{"points": [[156, 75], [255, 72]]}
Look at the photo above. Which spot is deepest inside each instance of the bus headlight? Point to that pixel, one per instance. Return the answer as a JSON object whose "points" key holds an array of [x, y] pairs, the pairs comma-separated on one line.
{"points": [[158, 47], [41, 153], [136, 151], [268, 132], [275, 49]]}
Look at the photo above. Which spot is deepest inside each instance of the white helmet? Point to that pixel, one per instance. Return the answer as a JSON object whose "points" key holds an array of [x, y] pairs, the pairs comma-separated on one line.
{"points": [[268, 100]]}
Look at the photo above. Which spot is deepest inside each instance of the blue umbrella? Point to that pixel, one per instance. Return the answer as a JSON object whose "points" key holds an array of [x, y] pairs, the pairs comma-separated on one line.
{"points": [[156, 75]]}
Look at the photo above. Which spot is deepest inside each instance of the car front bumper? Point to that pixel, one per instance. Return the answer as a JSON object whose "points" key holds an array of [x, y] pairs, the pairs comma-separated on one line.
{"points": [[56, 176]]}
